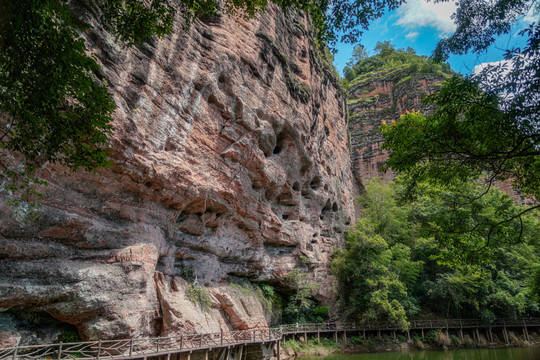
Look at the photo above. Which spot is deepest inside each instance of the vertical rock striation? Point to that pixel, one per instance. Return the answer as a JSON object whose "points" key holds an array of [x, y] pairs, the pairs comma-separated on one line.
{"points": [[383, 95], [230, 159]]}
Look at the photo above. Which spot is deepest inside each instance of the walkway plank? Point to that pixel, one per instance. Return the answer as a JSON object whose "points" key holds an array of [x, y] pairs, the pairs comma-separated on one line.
{"points": [[127, 349]]}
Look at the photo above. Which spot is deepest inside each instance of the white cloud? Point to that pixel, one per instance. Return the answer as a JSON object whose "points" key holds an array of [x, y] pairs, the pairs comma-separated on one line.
{"points": [[420, 13], [478, 68], [533, 15], [412, 35]]}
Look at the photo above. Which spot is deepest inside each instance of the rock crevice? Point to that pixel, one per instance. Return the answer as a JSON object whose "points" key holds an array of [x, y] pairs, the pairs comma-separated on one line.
{"points": [[229, 159]]}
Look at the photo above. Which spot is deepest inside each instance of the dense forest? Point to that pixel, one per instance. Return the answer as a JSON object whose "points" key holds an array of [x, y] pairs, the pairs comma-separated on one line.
{"points": [[413, 255]]}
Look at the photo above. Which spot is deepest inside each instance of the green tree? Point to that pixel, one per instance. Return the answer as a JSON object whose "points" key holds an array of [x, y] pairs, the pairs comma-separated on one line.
{"points": [[375, 267], [370, 289], [380, 209], [468, 138], [388, 57], [53, 108], [433, 262], [299, 304], [465, 285], [487, 123], [54, 105], [359, 53]]}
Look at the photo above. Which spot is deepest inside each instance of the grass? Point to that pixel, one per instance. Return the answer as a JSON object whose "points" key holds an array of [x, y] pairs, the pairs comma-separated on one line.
{"points": [[363, 100], [312, 346]]}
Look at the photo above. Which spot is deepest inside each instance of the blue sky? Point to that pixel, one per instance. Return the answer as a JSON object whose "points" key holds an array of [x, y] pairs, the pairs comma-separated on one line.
{"points": [[420, 25]]}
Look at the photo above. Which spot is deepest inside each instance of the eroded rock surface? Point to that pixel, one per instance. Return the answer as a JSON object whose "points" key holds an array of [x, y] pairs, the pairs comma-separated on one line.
{"points": [[383, 96], [230, 158]]}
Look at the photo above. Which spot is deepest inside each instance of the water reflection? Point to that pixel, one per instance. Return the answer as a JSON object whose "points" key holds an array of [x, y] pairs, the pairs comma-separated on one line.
{"points": [[464, 354]]}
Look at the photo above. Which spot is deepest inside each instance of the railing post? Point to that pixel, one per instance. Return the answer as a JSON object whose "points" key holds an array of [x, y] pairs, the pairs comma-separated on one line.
{"points": [[60, 351], [98, 350], [15, 352], [221, 336], [157, 345], [200, 341], [254, 335], [130, 347], [181, 341], [525, 331]]}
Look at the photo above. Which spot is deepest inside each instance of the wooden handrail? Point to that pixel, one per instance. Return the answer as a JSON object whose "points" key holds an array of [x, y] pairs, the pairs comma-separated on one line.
{"points": [[138, 348]]}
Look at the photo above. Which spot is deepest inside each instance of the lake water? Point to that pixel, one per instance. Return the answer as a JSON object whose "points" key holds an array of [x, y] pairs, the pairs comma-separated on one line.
{"points": [[462, 354]]}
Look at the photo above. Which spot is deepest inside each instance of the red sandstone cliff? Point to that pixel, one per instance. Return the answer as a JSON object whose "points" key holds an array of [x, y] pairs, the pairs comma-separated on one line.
{"points": [[378, 96], [230, 158], [384, 95]]}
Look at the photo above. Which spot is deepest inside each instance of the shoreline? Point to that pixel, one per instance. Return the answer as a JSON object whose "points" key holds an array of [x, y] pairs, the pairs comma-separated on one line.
{"points": [[324, 347]]}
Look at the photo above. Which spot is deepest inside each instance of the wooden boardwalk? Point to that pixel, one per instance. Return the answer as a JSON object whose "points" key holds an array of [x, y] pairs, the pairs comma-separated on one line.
{"points": [[164, 347]]}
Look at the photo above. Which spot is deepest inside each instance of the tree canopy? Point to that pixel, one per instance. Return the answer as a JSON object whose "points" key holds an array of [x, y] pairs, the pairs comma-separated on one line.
{"points": [[388, 57], [421, 258]]}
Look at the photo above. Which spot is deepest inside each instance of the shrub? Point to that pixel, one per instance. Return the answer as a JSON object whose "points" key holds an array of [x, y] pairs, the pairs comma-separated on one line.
{"points": [[321, 312], [371, 344], [442, 339], [199, 295], [401, 338], [356, 340], [430, 337], [292, 344], [268, 290], [70, 336]]}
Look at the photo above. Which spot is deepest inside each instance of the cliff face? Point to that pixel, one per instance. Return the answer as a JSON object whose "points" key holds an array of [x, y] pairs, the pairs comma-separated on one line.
{"points": [[230, 159], [377, 96]]}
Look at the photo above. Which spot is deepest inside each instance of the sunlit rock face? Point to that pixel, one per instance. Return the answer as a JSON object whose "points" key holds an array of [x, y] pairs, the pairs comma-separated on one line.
{"points": [[383, 96], [230, 158]]}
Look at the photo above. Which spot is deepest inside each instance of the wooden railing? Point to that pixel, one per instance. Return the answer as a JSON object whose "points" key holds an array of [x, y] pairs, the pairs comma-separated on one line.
{"points": [[141, 348], [414, 324]]}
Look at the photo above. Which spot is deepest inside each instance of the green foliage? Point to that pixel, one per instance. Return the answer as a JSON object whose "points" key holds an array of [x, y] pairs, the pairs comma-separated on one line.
{"points": [[321, 312], [430, 336], [268, 290], [386, 59], [22, 184], [305, 260], [479, 22], [426, 149], [535, 285], [299, 305], [199, 295], [270, 299], [462, 139], [356, 340], [70, 336], [187, 273], [421, 256], [54, 107], [486, 124], [359, 53], [134, 21], [381, 213], [292, 344]]}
